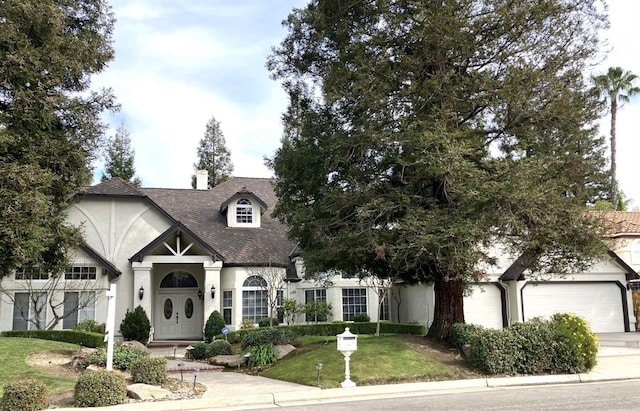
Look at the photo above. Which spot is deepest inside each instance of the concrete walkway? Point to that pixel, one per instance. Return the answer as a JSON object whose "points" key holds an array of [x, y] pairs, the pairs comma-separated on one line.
{"points": [[618, 359]]}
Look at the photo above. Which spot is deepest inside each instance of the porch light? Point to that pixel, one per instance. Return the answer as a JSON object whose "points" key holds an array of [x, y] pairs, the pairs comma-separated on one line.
{"points": [[213, 291], [141, 292]]}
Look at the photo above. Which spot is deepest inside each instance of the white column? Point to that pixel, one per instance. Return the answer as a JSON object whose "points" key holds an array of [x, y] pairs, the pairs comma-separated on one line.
{"points": [[211, 279], [142, 278]]}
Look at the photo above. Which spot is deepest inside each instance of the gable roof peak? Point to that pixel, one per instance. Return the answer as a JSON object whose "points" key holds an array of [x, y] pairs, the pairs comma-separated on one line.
{"points": [[115, 186]]}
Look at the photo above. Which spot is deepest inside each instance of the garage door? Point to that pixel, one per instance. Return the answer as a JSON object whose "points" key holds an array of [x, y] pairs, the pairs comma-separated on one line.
{"points": [[600, 304], [484, 306]]}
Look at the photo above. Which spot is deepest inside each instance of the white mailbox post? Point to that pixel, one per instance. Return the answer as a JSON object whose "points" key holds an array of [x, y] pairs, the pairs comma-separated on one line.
{"points": [[347, 343]]}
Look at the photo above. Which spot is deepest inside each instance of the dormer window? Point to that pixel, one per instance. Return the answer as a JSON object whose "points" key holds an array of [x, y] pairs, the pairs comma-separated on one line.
{"points": [[244, 211]]}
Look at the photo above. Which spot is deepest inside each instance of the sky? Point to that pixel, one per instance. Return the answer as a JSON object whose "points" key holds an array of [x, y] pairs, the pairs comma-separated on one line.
{"points": [[179, 63]]}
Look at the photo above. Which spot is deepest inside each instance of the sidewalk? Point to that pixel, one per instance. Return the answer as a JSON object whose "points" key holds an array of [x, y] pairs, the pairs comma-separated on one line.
{"points": [[618, 359]]}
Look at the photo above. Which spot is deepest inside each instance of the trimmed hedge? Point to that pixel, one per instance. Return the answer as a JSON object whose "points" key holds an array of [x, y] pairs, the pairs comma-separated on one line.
{"points": [[99, 389], [564, 344], [274, 336], [83, 338], [149, 370], [332, 329]]}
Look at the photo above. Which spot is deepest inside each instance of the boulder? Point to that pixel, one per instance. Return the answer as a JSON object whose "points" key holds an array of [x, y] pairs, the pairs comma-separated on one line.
{"points": [[136, 344], [147, 392], [283, 350], [231, 361]]}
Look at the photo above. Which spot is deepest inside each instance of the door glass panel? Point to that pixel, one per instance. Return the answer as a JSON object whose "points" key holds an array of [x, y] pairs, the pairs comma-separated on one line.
{"points": [[168, 308], [188, 307]]}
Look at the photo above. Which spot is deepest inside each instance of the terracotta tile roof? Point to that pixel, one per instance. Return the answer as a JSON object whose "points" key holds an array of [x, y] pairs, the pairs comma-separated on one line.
{"points": [[621, 222], [199, 211]]}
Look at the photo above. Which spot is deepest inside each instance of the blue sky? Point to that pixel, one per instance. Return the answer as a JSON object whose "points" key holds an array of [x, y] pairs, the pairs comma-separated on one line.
{"points": [[178, 63]]}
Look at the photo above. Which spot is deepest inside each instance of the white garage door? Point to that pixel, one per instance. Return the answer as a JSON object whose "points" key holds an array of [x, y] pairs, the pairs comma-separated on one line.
{"points": [[484, 306], [600, 304]]}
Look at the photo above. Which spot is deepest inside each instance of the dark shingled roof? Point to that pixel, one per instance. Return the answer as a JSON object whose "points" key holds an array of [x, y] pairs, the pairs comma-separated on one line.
{"points": [[199, 211]]}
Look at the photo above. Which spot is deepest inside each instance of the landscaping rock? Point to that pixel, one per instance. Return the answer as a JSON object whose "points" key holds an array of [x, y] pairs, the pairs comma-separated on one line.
{"points": [[136, 344], [231, 361], [147, 392], [283, 350]]}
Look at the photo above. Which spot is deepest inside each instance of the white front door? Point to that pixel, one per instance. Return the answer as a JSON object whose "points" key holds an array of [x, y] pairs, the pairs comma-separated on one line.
{"points": [[178, 316]]}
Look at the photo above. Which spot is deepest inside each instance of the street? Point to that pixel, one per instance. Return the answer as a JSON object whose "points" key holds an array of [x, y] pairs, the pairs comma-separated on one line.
{"points": [[610, 396]]}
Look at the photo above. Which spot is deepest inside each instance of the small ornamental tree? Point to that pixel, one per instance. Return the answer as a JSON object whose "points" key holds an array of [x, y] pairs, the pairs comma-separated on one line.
{"points": [[214, 326], [136, 325]]}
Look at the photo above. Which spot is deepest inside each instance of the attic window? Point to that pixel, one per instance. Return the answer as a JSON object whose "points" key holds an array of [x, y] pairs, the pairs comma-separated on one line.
{"points": [[244, 211]]}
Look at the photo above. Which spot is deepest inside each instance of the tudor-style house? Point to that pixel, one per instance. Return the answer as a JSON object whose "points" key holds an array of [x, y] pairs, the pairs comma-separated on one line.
{"points": [[183, 253]]}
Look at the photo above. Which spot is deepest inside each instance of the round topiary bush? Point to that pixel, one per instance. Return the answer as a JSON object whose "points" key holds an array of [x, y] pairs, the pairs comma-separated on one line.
{"points": [[220, 347], [361, 318], [136, 325], [25, 394], [200, 351], [99, 389], [215, 324], [149, 370]]}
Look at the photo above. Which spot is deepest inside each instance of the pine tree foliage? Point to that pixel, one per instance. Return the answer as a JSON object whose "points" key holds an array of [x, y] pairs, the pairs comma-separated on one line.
{"points": [[213, 155], [49, 122], [421, 133], [120, 157]]}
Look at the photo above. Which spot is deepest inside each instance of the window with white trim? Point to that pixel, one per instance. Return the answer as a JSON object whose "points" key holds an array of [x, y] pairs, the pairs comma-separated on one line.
{"points": [[383, 313], [354, 301], [78, 307], [254, 299], [80, 273], [20, 274], [312, 296], [244, 211], [29, 310], [227, 306]]}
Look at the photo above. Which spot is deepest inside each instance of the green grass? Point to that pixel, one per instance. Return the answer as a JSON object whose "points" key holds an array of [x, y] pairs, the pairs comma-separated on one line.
{"points": [[13, 362], [378, 360]]}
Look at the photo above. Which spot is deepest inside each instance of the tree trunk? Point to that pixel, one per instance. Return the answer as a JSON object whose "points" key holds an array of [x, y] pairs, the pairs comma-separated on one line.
{"points": [[449, 308], [612, 141]]}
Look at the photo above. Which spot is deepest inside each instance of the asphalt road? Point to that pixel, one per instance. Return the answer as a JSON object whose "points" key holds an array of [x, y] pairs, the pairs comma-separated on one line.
{"points": [[610, 396]]}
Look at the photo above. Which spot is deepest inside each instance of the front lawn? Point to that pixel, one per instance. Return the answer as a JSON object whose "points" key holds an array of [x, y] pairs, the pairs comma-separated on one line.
{"points": [[378, 360], [13, 362]]}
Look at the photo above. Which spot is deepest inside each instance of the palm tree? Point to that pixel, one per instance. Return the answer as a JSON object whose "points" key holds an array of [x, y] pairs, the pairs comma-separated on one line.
{"points": [[616, 86]]}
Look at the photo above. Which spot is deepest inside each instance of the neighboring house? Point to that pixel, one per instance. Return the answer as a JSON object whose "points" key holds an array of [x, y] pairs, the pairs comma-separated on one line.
{"points": [[183, 253]]}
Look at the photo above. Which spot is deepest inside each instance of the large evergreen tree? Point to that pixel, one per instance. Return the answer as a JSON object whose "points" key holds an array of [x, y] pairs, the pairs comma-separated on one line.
{"points": [[213, 155], [617, 85], [120, 158], [49, 122], [420, 133]]}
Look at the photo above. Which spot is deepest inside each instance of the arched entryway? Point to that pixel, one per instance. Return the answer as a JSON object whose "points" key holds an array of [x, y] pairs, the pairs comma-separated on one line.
{"points": [[178, 308]]}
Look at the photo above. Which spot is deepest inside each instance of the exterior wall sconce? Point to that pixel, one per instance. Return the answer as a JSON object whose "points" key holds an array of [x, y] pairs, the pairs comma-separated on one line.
{"points": [[141, 292], [200, 294], [213, 291]]}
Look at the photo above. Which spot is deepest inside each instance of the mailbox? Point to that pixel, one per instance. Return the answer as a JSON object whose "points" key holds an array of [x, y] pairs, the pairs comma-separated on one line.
{"points": [[347, 342]]}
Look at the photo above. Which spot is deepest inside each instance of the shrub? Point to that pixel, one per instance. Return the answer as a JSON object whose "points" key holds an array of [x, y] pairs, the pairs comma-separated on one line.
{"points": [[532, 341], [575, 345], [123, 356], [214, 326], [289, 310], [318, 311], [86, 339], [148, 370], [90, 326], [200, 351], [246, 324], [220, 347], [136, 325], [267, 322], [361, 318], [492, 352], [462, 334], [262, 355], [25, 394], [99, 389], [275, 336]]}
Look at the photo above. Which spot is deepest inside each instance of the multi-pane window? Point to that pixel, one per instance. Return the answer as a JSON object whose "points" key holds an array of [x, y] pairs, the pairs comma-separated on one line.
{"points": [[80, 273], [78, 307], [244, 211], [22, 275], [279, 300], [254, 299], [29, 311], [354, 301], [315, 296], [384, 307], [227, 305]]}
